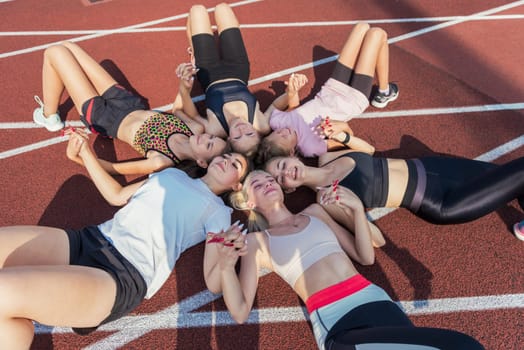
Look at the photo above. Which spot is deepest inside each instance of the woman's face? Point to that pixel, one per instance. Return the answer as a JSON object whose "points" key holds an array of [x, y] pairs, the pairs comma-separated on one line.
{"points": [[242, 135], [206, 146], [228, 169], [285, 138], [289, 172], [262, 190]]}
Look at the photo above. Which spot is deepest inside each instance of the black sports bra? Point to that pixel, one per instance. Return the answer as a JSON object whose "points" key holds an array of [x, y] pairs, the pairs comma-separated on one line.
{"points": [[369, 179], [219, 94]]}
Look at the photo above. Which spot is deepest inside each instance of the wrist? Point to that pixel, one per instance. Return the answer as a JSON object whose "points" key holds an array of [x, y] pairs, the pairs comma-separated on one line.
{"points": [[342, 137]]}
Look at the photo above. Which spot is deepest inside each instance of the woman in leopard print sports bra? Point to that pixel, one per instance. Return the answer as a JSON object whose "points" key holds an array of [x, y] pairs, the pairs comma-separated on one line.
{"points": [[164, 139]]}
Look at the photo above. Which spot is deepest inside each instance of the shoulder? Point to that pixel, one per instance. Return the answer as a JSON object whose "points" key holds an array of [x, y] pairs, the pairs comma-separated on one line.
{"points": [[329, 157], [314, 209]]}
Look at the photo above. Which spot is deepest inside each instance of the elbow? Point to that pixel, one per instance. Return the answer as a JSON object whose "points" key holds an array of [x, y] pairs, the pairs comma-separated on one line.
{"points": [[239, 317], [117, 202], [367, 261]]}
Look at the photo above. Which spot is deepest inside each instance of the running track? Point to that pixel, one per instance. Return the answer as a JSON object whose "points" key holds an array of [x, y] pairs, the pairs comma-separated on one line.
{"points": [[459, 68]]}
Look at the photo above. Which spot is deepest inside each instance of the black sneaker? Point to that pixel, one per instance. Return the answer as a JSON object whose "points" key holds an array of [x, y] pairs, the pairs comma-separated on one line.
{"points": [[380, 100]]}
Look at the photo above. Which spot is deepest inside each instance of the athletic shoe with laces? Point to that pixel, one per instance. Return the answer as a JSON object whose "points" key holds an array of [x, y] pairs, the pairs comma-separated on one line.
{"points": [[518, 230], [51, 123], [381, 100]]}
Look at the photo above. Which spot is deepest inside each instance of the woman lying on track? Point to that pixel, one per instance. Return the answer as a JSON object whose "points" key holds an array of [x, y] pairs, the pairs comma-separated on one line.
{"points": [[88, 277], [312, 253], [232, 110], [107, 108], [438, 189], [320, 125]]}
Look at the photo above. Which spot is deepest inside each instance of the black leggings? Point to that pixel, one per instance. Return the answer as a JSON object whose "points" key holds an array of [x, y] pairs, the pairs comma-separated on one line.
{"points": [[461, 190], [383, 326]]}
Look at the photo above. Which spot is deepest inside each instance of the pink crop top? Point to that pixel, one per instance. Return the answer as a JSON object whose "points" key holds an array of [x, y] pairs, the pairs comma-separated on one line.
{"points": [[292, 254]]}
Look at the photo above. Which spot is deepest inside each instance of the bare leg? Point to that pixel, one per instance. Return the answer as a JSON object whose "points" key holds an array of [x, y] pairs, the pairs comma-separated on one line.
{"points": [[61, 70], [198, 21], [225, 17], [374, 46], [351, 49], [98, 76], [36, 283]]}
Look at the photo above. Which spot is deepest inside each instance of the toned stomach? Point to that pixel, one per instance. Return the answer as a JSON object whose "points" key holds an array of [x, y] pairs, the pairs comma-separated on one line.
{"points": [[398, 182], [332, 269]]}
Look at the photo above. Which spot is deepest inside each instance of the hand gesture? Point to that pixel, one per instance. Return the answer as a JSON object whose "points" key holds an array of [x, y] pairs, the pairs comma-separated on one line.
{"points": [[77, 143], [295, 83], [332, 129], [341, 196], [231, 245], [186, 72]]}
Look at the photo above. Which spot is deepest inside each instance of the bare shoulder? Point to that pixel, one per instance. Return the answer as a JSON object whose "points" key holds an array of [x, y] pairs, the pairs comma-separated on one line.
{"points": [[331, 156], [315, 209]]}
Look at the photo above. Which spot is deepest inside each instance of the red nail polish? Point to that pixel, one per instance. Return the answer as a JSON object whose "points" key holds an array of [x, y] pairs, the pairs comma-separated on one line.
{"points": [[216, 239], [337, 198]]}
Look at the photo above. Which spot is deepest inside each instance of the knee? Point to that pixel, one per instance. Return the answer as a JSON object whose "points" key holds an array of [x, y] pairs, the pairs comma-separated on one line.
{"points": [[197, 11], [222, 7], [377, 34], [55, 51], [361, 27], [69, 45]]}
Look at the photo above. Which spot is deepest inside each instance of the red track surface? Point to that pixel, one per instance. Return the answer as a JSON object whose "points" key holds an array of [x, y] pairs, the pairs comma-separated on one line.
{"points": [[468, 64]]}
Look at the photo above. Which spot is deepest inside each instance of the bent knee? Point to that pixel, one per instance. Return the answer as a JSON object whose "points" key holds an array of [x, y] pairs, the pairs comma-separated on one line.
{"points": [[362, 27], [376, 33], [198, 10]]}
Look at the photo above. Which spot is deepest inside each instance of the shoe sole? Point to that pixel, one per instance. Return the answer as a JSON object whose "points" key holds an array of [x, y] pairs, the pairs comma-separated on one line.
{"points": [[517, 233], [382, 105]]}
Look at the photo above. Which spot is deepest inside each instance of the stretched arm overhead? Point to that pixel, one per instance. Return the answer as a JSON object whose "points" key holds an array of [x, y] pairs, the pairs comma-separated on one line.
{"points": [[290, 99], [133, 167], [110, 189], [183, 106]]}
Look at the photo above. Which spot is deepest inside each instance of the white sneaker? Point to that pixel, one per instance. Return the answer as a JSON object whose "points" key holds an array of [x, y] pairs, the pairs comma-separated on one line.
{"points": [[51, 123]]}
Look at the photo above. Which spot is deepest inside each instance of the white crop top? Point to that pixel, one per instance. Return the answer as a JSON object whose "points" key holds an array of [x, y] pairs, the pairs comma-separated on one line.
{"points": [[292, 254]]}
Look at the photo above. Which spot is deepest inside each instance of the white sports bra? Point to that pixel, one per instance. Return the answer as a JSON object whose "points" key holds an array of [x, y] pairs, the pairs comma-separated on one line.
{"points": [[292, 254]]}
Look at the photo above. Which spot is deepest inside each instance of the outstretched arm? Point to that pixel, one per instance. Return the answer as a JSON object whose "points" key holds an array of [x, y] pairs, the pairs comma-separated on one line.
{"points": [[290, 98], [110, 189], [134, 167], [183, 106]]}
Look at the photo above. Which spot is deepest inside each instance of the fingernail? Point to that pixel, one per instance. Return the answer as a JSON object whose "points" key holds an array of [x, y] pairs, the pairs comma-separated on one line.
{"points": [[244, 232], [236, 222], [337, 198], [228, 244]]}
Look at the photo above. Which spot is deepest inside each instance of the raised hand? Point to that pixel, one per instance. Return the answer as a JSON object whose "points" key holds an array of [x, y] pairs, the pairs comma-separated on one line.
{"points": [[186, 72], [296, 82], [341, 196], [77, 143], [232, 244]]}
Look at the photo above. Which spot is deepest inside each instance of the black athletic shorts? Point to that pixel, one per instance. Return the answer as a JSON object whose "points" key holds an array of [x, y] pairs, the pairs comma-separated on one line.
{"points": [[230, 61], [88, 247], [103, 114]]}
